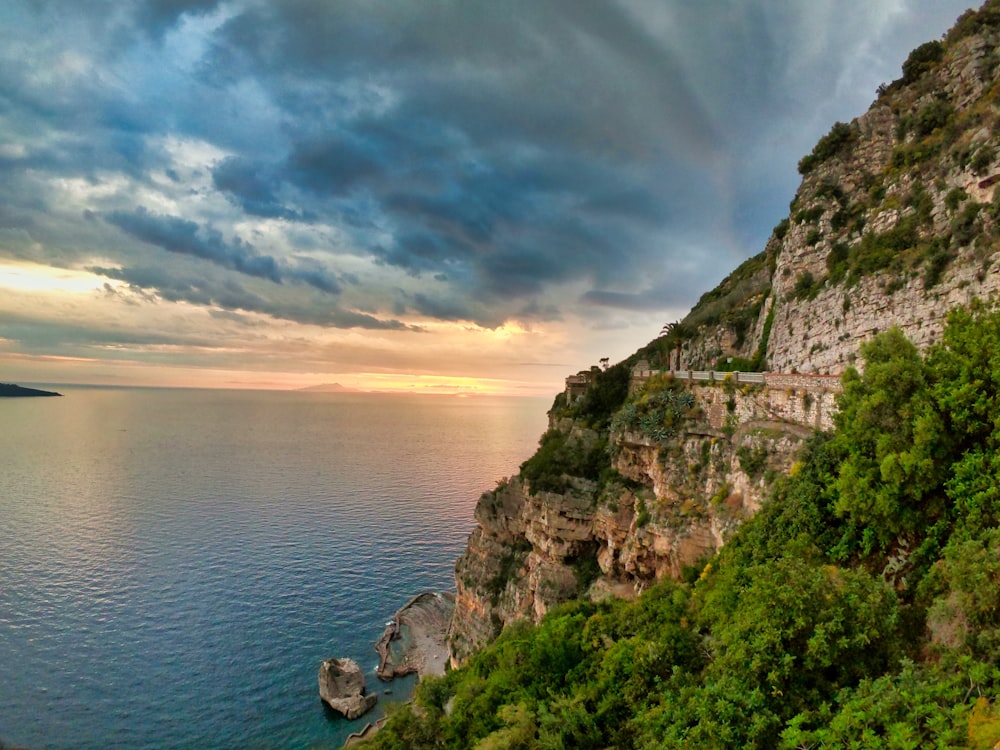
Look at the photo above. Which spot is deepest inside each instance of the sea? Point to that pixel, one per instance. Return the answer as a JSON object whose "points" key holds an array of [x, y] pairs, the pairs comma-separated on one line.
{"points": [[175, 564]]}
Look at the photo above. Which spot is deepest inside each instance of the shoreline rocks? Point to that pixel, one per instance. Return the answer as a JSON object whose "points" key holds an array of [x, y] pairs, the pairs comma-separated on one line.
{"points": [[416, 639], [342, 688]]}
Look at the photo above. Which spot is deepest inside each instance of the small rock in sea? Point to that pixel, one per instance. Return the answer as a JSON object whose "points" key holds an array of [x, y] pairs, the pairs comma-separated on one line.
{"points": [[342, 687]]}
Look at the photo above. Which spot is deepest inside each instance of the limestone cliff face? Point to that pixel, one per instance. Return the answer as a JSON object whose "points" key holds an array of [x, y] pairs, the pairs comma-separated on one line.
{"points": [[894, 224], [671, 503]]}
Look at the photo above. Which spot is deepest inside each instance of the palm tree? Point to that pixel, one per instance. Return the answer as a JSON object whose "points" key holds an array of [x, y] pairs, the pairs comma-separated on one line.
{"points": [[676, 334]]}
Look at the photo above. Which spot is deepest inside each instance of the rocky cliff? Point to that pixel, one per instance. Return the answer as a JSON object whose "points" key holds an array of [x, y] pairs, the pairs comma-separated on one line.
{"points": [[611, 509], [896, 221]]}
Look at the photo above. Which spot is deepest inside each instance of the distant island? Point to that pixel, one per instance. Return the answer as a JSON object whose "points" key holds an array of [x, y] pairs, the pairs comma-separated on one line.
{"points": [[9, 390], [329, 388]]}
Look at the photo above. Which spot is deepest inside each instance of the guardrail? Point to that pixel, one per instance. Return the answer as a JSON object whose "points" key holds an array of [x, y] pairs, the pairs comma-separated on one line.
{"points": [[756, 378], [770, 379]]}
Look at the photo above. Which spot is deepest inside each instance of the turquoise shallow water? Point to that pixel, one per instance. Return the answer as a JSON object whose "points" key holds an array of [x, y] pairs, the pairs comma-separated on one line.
{"points": [[175, 564]]}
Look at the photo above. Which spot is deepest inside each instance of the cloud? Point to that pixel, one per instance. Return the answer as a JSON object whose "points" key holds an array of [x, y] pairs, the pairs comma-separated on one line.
{"points": [[377, 164], [172, 286], [177, 235], [252, 187]]}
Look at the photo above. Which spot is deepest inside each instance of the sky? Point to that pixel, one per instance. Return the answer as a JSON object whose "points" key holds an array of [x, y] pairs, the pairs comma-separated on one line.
{"points": [[439, 196]]}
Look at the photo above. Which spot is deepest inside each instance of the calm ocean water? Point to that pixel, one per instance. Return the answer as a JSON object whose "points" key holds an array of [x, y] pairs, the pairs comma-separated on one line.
{"points": [[174, 564]]}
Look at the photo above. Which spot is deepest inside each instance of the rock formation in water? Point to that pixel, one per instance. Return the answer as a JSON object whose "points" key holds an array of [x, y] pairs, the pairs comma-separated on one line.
{"points": [[342, 687], [896, 222]]}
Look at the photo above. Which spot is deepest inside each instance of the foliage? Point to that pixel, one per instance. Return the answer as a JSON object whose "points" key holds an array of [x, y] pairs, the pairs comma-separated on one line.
{"points": [[877, 252], [954, 198], [973, 22], [559, 458], [832, 144], [806, 287], [659, 410], [936, 114], [921, 60], [750, 282], [837, 262], [604, 395], [888, 480], [734, 364], [963, 226], [753, 461], [759, 362]]}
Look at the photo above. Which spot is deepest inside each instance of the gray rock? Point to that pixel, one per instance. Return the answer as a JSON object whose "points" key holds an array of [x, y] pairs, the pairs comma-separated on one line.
{"points": [[342, 687]]}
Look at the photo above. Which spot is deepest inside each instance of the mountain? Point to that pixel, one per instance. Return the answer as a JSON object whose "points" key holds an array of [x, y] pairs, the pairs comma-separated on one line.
{"points": [[329, 388], [778, 523]]}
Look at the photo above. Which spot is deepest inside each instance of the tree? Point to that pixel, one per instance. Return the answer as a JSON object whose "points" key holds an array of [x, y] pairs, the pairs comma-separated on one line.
{"points": [[675, 335], [890, 480]]}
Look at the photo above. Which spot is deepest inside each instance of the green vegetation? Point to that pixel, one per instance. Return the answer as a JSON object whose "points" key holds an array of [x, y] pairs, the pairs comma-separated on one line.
{"points": [[860, 607], [834, 143], [806, 286], [973, 22], [921, 60], [605, 394], [659, 410], [560, 458], [738, 295]]}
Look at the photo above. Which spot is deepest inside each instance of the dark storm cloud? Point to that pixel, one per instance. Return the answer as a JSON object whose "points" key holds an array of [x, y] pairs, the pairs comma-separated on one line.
{"points": [[160, 15], [227, 294], [526, 157], [40, 337], [473, 125], [252, 186], [177, 235]]}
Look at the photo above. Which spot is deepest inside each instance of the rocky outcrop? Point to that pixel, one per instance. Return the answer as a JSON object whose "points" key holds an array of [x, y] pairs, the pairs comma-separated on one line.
{"points": [[342, 687], [415, 640]]}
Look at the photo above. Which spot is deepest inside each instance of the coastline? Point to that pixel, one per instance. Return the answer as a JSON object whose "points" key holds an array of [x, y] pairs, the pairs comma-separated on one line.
{"points": [[415, 640]]}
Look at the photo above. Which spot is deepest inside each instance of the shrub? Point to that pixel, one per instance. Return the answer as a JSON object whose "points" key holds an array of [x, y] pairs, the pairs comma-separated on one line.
{"points": [[982, 159], [922, 59], [806, 286], [836, 262], [808, 215], [832, 144], [658, 411], [607, 391], [963, 227], [921, 202], [954, 198], [932, 116], [876, 252], [937, 259], [558, 459]]}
